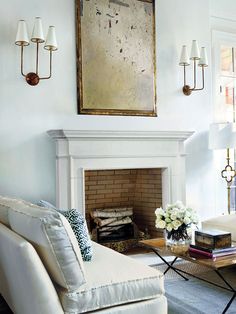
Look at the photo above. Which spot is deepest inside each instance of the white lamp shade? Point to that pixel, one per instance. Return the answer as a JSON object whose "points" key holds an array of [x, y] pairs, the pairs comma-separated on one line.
{"points": [[222, 135], [37, 35], [203, 62], [22, 38], [184, 57], [195, 54], [51, 41]]}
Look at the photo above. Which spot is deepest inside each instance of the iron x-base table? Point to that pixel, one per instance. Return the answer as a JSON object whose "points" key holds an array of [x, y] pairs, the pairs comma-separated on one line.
{"points": [[161, 249]]}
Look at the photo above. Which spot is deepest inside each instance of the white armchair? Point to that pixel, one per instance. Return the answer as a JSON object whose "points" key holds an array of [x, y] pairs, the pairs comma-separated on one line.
{"points": [[222, 222]]}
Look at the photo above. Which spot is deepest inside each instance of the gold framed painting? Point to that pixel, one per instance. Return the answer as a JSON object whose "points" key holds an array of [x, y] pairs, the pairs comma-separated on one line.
{"points": [[116, 63]]}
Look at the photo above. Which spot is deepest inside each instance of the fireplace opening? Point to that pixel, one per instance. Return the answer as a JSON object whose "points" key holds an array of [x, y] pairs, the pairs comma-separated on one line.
{"points": [[120, 205]]}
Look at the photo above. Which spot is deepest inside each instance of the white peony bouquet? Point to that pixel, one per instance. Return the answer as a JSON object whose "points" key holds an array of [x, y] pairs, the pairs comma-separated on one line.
{"points": [[176, 218]]}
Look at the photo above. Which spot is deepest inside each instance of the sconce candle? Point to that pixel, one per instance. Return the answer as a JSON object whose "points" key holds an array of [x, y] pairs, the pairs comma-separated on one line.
{"points": [[195, 57], [184, 58], [37, 34], [203, 62], [51, 41], [22, 40]]}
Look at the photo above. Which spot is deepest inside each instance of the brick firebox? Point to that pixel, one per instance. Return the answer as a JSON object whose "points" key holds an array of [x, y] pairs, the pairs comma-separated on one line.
{"points": [[137, 188]]}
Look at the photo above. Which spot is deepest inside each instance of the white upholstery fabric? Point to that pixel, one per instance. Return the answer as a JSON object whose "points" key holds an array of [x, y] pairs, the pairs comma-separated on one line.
{"points": [[51, 235], [25, 283], [153, 306], [222, 222], [5, 204], [112, 279]]}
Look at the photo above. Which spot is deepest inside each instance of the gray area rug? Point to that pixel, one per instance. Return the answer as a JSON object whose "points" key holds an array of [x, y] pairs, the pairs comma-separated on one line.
{"points": [[195, 296]]}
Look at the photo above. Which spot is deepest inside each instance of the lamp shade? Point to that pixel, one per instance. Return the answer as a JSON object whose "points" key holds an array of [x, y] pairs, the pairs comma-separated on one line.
{"points": [[37, 35], [195, 54], [51, 41], [22, 38], [222, 135], [203, 62], [184, 57]]}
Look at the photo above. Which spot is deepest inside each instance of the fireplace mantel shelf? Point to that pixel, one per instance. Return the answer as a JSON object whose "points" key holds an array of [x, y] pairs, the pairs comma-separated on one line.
{"points": [[101, 134], [81, 150]]}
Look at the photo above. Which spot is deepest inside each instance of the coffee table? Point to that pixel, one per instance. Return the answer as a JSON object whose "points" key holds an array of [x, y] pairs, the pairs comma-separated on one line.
{"points": [[161, 249]]}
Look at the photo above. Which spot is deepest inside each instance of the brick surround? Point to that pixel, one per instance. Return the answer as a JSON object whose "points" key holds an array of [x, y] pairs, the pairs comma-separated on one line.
{"points": [[138, 188]]}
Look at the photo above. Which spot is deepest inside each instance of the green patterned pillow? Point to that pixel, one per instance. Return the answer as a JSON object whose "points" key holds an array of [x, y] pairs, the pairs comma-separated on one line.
{"points": [[79, 226]]}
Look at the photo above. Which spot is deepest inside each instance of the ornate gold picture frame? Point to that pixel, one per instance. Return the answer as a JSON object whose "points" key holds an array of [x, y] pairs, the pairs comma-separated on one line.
{"points": [[116, 66]]}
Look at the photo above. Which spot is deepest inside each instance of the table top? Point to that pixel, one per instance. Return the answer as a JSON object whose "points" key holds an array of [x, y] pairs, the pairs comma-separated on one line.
{"points": [[159, 245]]}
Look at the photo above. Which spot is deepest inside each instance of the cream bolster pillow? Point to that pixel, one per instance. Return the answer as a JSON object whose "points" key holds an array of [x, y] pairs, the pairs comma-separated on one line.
{"points": [[51, 235]]}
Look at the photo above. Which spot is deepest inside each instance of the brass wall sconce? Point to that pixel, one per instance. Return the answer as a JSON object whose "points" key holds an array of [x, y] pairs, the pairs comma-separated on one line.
{"points": [[22, 39], [195, 56]]}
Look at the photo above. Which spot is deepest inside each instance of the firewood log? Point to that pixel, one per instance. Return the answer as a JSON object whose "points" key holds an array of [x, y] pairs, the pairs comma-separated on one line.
{"points": [[103, 222], [103, 214]]}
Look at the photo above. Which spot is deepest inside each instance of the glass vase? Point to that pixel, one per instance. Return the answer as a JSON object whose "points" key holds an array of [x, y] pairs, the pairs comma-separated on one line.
{"points": [[181, 236]]}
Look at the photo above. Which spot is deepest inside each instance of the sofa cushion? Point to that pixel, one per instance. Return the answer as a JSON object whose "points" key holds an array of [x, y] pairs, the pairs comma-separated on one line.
{"points": [[53, 239], [112, 279], [5, 204], [222, 222], [78, 225], [46, 204]]}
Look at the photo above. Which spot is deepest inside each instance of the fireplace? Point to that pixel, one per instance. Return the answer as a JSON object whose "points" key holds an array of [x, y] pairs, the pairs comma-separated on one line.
{"points": [[139, 189], [124, 154]]}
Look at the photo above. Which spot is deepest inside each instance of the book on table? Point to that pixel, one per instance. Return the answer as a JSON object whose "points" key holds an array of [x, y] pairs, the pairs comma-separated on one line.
{"points": [[211, 253]]}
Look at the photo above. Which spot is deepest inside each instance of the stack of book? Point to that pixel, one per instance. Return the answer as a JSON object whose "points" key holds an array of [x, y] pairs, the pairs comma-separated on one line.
{"points": [[211, 253], [212, 244]]}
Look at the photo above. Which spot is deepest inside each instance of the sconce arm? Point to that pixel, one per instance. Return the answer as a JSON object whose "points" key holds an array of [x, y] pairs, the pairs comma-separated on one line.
{"points": [[22, 60], [50, 68], [203, 81], [187, 90], [194, 75]]}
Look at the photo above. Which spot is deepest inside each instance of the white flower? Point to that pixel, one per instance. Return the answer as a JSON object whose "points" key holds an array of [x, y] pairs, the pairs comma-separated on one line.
{"points": [[159, 211], [187, 220], [159, 217], [168, 206], [160, 224], [173, 216], [169, 227], [179, 204], [176, 224], [195, 219]]}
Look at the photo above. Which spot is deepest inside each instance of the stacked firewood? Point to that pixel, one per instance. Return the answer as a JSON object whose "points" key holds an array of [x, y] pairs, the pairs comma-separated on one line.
{"points": [[112, 222]]}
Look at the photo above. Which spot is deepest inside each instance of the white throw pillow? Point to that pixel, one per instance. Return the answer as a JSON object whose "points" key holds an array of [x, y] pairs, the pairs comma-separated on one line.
{"points": [[51, 235]]}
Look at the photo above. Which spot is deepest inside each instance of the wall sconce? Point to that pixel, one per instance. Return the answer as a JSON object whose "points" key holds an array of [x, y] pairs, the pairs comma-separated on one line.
{"points": [[22, 40], [196, 57]]}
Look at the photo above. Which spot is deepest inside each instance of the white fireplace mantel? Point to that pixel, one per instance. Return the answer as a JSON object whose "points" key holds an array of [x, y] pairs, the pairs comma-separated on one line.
{"points": [[78, 151]]}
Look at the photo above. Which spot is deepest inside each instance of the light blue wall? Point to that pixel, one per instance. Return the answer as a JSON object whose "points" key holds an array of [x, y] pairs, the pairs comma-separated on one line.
{"points": [[27, 164]]}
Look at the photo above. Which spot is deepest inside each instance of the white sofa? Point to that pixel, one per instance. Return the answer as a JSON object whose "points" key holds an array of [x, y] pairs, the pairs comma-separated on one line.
{"points": [[42, 271], [222, 222]]}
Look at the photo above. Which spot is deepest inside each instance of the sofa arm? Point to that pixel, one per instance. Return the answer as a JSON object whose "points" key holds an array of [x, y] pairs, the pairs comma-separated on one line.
{"points": [[222, 222], [25, 283]]}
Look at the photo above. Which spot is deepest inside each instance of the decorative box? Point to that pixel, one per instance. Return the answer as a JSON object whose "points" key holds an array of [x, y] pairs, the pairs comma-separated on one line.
{"points": [[213, 239]]}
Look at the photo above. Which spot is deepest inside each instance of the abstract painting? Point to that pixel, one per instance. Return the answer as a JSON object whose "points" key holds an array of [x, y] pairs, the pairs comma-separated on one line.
{"points": [[116, 57]]}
